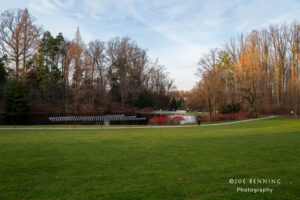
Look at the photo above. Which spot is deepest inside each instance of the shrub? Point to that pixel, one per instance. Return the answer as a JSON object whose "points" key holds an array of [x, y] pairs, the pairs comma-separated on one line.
{"points": [[223, 117], [176, 119], [148, 109], [145, 99], [230, 108], [158, 120]]}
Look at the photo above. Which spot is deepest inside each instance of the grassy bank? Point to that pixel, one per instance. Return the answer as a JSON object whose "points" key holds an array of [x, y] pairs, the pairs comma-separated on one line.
{"points": [[181, 163]]}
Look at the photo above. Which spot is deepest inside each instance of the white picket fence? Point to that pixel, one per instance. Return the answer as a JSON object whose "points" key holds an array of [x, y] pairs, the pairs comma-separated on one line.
{"points": [[106, 119]]}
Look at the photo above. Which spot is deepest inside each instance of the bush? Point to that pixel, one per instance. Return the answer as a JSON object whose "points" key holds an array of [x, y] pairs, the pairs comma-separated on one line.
{"points": [[158, 120], [230, 108], [145, 99], [176, 120], [281, 110], [161, 101], [224, 117], [148, 109]]}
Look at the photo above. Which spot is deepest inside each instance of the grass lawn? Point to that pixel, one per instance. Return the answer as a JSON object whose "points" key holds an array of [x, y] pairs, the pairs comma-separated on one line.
{"points": [[198, 113], [178, 113], [176, 163]]}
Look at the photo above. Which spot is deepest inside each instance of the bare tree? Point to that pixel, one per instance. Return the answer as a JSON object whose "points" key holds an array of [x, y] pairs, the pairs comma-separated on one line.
{"points": [[19, 37], [118, 54], [97, 59], [279, 45], [127, 63], [212, 88], [212, 84], [30, 38]]}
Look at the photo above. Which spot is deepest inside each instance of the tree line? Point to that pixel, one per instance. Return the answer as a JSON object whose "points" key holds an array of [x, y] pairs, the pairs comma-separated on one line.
{"points": [[256, 72], [40, 72]]}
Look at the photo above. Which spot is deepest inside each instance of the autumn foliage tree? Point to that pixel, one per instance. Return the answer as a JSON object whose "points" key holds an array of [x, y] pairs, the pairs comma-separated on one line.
{"points": [[19, 38], [69, 76], [259, 70], [249, 73]]}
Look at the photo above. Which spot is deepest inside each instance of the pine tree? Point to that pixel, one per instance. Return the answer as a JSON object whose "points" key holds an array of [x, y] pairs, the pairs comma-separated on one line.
{"points": [[3, 74], [16, 96], [173, 105]]}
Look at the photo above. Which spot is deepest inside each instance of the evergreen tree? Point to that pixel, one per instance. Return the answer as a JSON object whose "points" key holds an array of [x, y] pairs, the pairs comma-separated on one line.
{"points": [[16, 96], [45, 75], [173, 105], [145, 99], [3, 75]]}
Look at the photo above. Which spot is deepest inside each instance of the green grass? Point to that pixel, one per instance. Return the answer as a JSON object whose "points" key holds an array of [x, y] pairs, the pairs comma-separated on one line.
{"points": [[148, 163], [198, 113], [178, 113]]}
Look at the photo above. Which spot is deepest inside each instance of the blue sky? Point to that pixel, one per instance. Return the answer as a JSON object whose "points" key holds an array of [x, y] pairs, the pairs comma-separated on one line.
{"points": [[176, 32]]}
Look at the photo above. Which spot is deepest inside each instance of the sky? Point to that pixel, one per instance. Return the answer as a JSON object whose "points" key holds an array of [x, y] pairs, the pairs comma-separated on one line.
{"points": [[176, 32]]}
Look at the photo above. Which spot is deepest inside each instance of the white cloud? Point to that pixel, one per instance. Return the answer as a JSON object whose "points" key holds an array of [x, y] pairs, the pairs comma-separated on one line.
{"points": [[78, 15], [260, 14], [53, 16], [43, 6], [64, 4]]}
